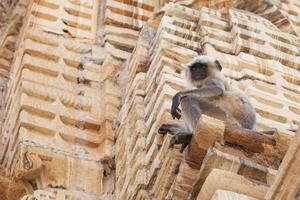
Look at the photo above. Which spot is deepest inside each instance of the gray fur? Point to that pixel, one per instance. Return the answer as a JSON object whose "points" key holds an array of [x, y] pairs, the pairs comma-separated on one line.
{"points": [[214, 96]]}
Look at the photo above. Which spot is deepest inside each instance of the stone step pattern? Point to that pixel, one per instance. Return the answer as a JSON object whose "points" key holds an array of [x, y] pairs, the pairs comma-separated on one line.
{"points": [[286, 184], [270, 60], [146, 167], [123, 22], [283, 14], [63, 98], [60, 103], [161, 84], [10, 31], [76, 19]]}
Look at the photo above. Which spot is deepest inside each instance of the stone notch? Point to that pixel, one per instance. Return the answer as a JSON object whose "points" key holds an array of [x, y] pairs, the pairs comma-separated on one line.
{"points": [[287, 182], [210, 130]]}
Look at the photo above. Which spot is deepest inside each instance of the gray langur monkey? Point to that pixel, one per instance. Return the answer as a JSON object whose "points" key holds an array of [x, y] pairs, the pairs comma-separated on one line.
{"points": [[214, 95]]}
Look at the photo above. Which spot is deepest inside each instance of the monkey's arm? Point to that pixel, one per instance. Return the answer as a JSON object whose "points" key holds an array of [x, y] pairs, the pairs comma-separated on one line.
{"points": [[212, 88]]}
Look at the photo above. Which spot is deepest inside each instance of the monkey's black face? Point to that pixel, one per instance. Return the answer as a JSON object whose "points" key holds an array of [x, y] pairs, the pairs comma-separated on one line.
{"points": [[198, 71]]}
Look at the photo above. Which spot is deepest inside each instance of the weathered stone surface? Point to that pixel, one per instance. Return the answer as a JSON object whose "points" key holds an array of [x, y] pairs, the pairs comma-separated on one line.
{"points": [[225, 194], [75, 19], [85, 84], [250, 57], [283, 14], [219, 179], [60, 104], [287, 182]]}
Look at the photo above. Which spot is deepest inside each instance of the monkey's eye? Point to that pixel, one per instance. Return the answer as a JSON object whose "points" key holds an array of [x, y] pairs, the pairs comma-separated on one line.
{"points": [[194, 68], [203, 66], [198, 67]]}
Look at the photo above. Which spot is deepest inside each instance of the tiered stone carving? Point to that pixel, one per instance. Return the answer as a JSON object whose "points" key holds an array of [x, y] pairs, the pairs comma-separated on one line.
{"points": [[85, 84], [254, 53], [60, 104]]}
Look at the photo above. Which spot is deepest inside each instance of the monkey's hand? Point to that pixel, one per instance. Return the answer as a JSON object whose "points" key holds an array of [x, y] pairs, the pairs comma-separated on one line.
{"points": [[175, 111]]}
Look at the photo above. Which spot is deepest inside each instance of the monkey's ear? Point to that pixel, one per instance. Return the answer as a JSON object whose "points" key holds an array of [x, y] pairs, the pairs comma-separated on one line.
{"points": [[218, 65]]}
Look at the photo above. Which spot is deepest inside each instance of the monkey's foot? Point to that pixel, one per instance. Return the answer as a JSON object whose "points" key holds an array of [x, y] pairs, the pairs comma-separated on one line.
{"points": [[164, 129], [170, 128], [181, 138]]}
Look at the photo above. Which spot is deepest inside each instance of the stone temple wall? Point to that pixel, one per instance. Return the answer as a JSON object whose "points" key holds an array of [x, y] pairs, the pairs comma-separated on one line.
{"points": [[85, 85]]}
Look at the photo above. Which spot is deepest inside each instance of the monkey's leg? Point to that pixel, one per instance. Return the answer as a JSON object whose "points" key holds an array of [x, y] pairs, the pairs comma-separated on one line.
{"points": [[183, 135], [193, 108]]}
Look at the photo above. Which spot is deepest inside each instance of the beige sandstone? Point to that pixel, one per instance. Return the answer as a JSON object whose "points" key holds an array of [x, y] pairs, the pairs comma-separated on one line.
{"points": [[85, 85]]}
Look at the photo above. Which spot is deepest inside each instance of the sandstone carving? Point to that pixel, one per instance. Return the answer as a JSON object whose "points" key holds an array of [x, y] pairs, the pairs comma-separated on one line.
{"points": [[85, 85]]}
